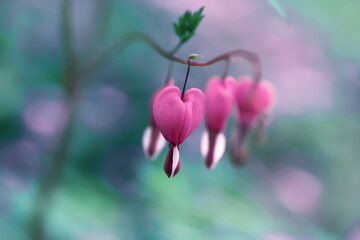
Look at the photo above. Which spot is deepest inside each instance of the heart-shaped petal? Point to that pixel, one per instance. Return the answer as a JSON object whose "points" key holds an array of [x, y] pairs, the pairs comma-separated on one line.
{"points": [[219, 101], [177, 118], [254, 100], [169, 83]]}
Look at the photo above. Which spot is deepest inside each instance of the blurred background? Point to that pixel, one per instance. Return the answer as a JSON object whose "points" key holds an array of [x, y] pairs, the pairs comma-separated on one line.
{"points": [[302, 184]]}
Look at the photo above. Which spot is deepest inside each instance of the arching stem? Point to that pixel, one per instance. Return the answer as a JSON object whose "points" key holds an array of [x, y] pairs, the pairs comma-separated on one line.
{"points": [[123, 41]]}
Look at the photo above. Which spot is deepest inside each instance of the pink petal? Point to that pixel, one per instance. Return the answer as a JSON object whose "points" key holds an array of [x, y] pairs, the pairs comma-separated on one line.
{"points": [[253, 101], [194, 100], [169, 83], [169, 113], [219, 101]]}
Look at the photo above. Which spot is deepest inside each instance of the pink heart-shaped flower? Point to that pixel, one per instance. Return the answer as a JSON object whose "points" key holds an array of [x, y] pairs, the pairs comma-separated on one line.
{"points": [[253, 100], [219, 95], [177, 118], [219, 102]]}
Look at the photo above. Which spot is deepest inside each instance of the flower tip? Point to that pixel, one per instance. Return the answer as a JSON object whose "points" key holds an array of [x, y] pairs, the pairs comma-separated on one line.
{"points": [[238, 151], [172, 162], [239, 155]]}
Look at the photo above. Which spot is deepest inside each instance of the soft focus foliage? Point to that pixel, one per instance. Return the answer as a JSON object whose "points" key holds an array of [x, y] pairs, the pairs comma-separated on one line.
{"points": [[302, 183]]}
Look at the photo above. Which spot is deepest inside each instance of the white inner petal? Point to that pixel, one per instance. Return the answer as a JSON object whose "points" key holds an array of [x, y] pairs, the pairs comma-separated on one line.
{"points": [[219, 149], [175, 160], [159, 145], [204, 143], [146, 141]]}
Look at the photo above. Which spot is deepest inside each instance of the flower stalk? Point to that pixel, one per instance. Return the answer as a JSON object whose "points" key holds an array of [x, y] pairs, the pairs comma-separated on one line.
{"points": [[127, 39], [186, 78]]}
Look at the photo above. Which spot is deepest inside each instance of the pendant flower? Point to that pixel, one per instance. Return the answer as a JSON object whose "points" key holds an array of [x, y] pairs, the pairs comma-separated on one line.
{"points": [[176, 119], [219, 95], [253, 101], [153, 141]]}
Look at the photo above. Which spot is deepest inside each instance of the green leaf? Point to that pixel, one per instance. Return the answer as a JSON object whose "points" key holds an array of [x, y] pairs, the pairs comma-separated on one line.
{"points": [[176, 28], [195, 23], [187, 16], [199, 12], [187, 24], [187, 37]]}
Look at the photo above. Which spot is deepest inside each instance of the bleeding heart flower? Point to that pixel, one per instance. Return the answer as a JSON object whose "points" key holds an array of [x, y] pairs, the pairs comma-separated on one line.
{"points": [[219, 103], [253, 100], [176, 119], [153, 141]]}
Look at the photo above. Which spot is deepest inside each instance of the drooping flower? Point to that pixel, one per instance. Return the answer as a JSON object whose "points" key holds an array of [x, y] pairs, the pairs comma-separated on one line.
{"points": [[153, 141], [219, 95], [176, 119], [253, 101]]}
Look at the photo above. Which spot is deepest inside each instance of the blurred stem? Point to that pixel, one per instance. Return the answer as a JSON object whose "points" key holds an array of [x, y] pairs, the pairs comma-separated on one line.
{"points": [[226, 69], [170, 71], [70, 60], [171, 63], [125, 40], [51, 177]]}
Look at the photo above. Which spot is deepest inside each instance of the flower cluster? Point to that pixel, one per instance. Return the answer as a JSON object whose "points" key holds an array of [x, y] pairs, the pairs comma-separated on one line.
{"points": [[174, 118]]}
